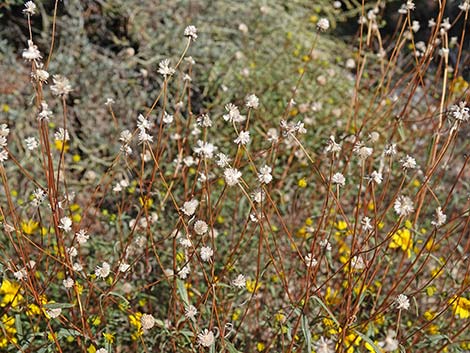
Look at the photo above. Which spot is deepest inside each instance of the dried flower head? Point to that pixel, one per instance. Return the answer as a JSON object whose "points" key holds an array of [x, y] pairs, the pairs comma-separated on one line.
{"points": [[323, 24], [29, 8], [147, 321], [191, 32], [206, 338], [164, 68], [61, 86]]}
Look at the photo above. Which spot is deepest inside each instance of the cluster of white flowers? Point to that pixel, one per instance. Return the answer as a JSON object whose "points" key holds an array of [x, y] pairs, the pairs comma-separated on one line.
{"points": [[362, 151], [124, 267], [205, 149], [126, 137], [4, 132], [206, 253], [366, 224], [332, 146], [72, 251], [232, 176], [45, 114], [376, 177], [310, 260], [402, 302], [290, 128], [191, 32], [32, 53], [323, 24], [338, 179], [103, 270], [200, 227], [31, 143], [120, 185], [38, 197], [264, 175], [206, 338], [165, 69], [147, 321], [68, 282], [252, 101], [40, 74], [390, 150], [408, 6], [408, 162], [190, 312], [324, 345], [325, 244], [233, 114], [465, 6], [440, 218], [222, 160], [29, 8], [167, 118], [403, 206], [460, 112], [82, 236], [61, 86], [184, 271], [62, 135], [390, 344], [204, 120], [143, 124], [189, 207], [243, 138], [66, 224], [239, 281]]}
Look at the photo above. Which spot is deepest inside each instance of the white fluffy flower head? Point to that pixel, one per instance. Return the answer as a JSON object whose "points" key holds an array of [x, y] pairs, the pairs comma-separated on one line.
{"points": [[232, 176], [323, 24], [402, 302], [206, 338], [403, 206], [191, 32]]}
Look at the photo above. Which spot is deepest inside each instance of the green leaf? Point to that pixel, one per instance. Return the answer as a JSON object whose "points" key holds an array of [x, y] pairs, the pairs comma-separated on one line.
{"points": [[230, 347], [182, 291], [58, 305], [368, 340], [330, 314], [306, 332], [18, 325], [63, 333]]}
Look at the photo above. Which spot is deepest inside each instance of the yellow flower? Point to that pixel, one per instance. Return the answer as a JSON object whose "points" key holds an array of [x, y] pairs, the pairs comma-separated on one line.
{"points": [[302, 183], [260, 346], [460, 85], [134, 319], [236, 314], [148, 202], [301, 233], [461, 307], [109, 337], [280, 317], [429, 315], [433, 329], [59, 144], [402, 239], [341, 225], [250, 285], [11, 293], [350, 341], [29, 227]]}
